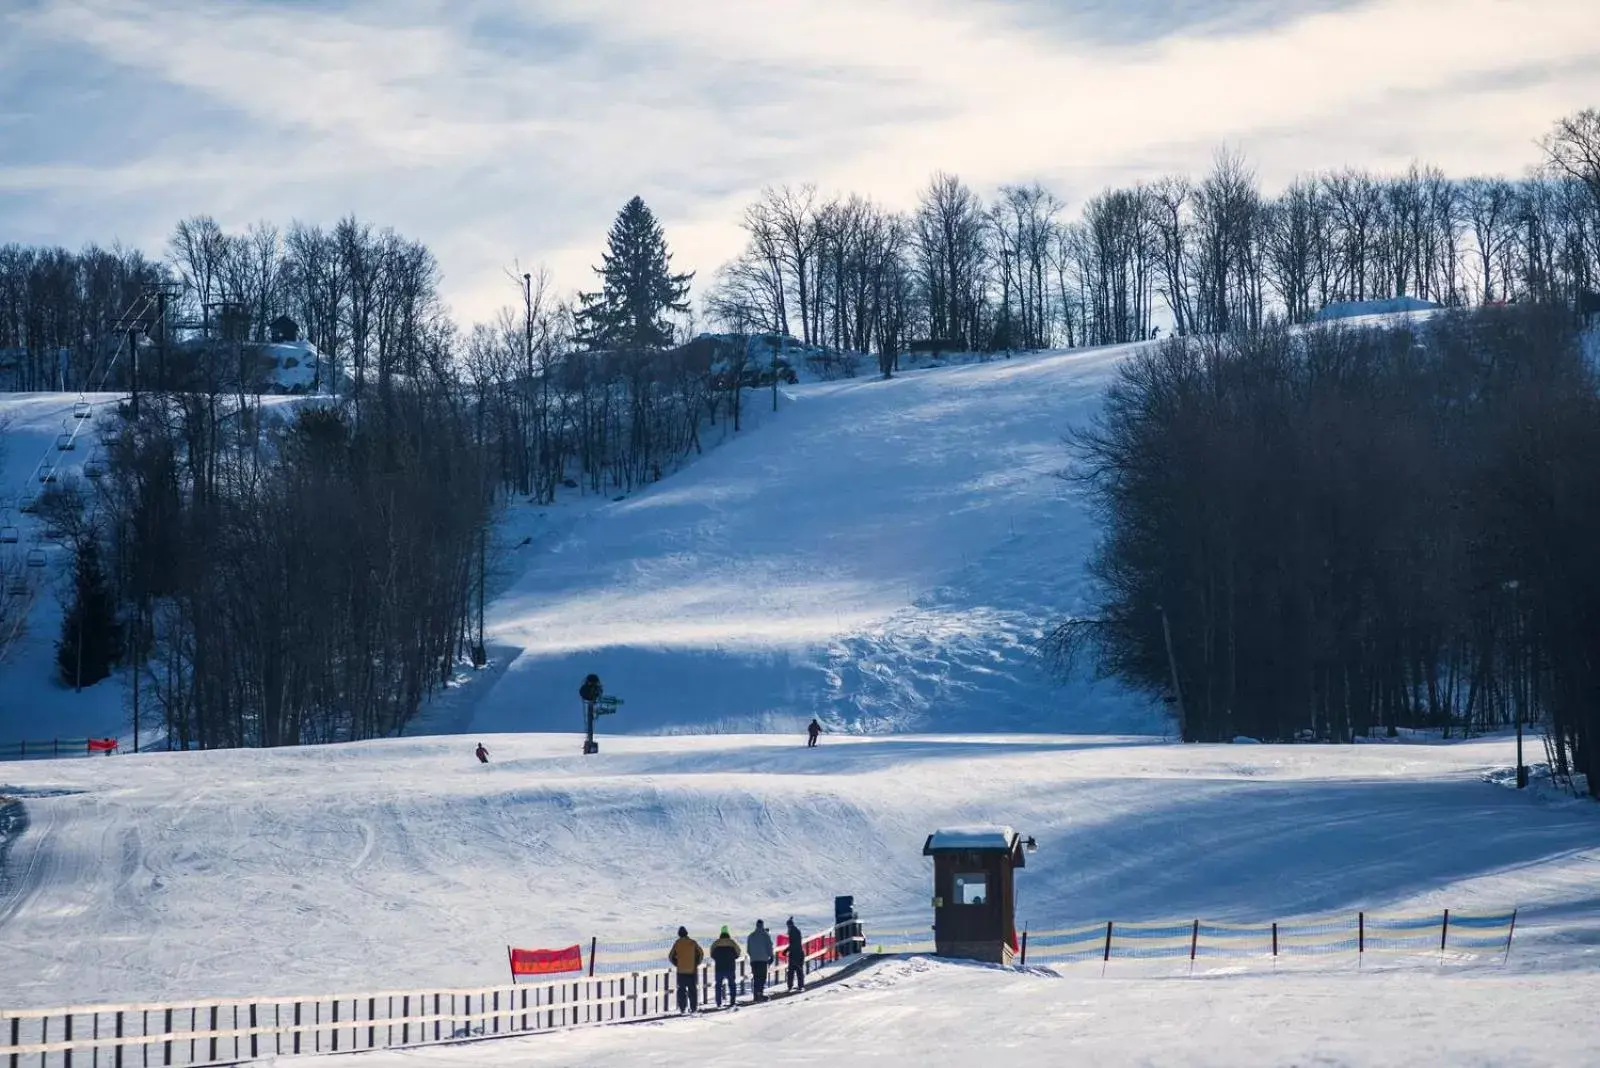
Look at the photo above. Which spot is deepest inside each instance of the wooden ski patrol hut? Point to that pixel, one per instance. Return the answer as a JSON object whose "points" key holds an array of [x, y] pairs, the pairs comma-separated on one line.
{"points": [[974, 891]]}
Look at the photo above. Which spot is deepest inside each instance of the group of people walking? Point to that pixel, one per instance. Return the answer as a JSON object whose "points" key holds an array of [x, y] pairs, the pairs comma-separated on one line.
{"points": [[686, 957]]}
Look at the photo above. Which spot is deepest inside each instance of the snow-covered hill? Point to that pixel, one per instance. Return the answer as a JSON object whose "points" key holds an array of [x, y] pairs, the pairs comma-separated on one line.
{"points": [[405, 863], [883, 554]]}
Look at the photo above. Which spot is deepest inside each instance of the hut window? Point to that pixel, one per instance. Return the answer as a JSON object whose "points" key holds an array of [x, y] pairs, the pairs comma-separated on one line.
{"points": [[972, 888]]}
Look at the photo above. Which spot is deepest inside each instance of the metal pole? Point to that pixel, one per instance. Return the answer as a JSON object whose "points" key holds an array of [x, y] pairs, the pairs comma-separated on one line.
{"points": [[1172, 664], [133, 362]]}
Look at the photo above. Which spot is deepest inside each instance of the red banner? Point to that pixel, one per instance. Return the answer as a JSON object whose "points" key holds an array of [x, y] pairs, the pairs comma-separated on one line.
{"points": [[546, 961], [102, 745], [811, 947]]}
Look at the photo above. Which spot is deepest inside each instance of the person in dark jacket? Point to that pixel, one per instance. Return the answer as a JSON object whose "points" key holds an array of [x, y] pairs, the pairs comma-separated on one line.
{"points": [[797, 957], [483, 754], [811, 734], [725, 953], [759, 947], [686, 956]]}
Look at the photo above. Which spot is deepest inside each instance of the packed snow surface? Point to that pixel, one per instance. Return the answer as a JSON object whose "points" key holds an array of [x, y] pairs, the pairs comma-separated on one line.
{"points": [[407, 864], [931, 1014], [883, 555]]}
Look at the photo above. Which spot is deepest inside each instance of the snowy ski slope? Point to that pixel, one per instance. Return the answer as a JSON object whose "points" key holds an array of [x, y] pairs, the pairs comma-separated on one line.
{"points": [[922, 1013], [404, 863], [880, 554]]}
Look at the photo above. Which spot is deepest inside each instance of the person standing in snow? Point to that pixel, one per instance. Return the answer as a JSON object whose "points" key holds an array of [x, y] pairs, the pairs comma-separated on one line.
{"points": [[759, 947], [686, 956], [797, 958], [483, 754], [725, 953], [812, 732]]}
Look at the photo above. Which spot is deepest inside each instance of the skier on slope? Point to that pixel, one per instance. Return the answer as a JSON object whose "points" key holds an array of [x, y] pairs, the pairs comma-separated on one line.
{"points": [[811, 734], [797, 958], [725, 953], [686, 956], [482, 753], [759, 947]]}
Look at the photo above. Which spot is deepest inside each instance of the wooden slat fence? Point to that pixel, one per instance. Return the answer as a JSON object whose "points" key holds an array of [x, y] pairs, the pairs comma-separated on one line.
{"points": [[214, 1031]]}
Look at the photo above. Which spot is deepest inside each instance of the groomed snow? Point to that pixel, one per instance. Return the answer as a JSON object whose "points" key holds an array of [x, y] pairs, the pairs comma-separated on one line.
{"points": [[881, 554], [406, 863], [931, 1014]]}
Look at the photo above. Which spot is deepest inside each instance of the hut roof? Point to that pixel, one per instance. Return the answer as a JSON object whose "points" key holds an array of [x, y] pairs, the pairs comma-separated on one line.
{"points": [[974, 838]]}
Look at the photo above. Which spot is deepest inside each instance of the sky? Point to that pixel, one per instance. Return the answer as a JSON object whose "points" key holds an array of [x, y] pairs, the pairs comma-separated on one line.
{"points": [[509, 132]]}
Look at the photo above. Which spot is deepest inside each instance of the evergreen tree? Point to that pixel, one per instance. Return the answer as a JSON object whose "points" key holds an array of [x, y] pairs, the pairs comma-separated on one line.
{"points": [[637, 286], [91, 638]]}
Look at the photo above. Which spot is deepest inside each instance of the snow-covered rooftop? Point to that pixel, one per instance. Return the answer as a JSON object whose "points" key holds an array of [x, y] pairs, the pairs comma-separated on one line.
{"points": [[973, 837]]}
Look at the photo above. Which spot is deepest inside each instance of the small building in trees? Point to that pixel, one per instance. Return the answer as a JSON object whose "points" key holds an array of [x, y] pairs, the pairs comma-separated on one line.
{"points": [[974, 891], [283, 330]]}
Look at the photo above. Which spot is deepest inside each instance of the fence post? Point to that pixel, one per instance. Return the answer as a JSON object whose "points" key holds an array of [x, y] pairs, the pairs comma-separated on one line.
{"points": [[67, 1034], [1105, 960], [167, 1053], [119, 1044], [594, 943], [372, 1029], [16, 1039], [213, 1046], [254, 1044], [1024, 962], [297, 1028], [1444, 933], [1361, 932], [1274, 939], [1194, 943], [55, 747], [1509, 933]]}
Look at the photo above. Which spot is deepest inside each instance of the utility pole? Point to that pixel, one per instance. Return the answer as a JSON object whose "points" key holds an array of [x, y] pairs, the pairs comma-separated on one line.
{"points": [[1516, 682], [1172, 664], [133, 363]]}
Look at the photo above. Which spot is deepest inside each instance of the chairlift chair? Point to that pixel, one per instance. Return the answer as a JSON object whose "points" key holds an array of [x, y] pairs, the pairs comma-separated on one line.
{"points": [[82, 410], [65, 442], [48, 475], [36, 558], [29, 504], [94, 469], [18, 586], [10, 535]]}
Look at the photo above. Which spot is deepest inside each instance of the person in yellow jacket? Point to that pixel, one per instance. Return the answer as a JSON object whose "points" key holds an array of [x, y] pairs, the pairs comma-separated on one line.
{"points": [[687, 956]]}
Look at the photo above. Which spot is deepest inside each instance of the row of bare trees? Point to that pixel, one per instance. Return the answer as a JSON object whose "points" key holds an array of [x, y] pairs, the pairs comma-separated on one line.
{"points": [[367, 298], [1207, 256], [286, 580], [1331, 532]]}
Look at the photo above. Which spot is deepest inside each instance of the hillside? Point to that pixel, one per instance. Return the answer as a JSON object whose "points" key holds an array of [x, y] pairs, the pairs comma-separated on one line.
{"points": [[881, 554], [34, 704], [400, 863]]}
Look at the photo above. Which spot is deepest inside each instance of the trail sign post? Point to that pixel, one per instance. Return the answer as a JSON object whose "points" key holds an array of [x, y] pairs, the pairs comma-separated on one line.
{"points": [[595, 704]]}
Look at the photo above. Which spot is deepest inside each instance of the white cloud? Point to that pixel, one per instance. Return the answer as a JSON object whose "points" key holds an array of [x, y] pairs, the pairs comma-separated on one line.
{"points": [[496, 129]]}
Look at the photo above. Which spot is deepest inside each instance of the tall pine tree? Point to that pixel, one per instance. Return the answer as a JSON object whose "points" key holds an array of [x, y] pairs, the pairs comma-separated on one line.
{"points": [[91, 638], [637, 286]]}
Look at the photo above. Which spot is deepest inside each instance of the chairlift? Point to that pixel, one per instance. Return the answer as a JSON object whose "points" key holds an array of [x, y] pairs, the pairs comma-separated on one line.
{"points": [[36, 558], [65, 442], [10, 535], [48, 475], [29, 504], [94, 469], [19, 585], [82, 410]]}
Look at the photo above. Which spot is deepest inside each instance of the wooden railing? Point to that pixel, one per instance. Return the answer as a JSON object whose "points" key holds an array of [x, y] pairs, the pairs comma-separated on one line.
{"points": [[213, 1032]]}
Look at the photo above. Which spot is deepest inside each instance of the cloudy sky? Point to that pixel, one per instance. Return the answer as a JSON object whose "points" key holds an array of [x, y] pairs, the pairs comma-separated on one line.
{"points": [[511, 130]]}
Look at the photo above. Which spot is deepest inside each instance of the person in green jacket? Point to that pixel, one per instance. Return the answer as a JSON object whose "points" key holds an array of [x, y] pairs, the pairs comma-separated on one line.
{"points": [[686, 956]]}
